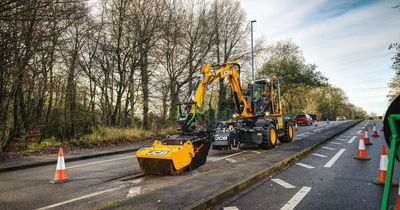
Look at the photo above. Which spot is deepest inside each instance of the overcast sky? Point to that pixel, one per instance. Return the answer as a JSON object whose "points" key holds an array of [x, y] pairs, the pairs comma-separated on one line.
{"points": [[348, 40]]}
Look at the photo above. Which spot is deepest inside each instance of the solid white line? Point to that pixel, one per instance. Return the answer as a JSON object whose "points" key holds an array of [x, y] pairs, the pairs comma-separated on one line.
{"points": [[304, 165], [104, 161], [334, 158], [230, 208], [215, 160], [283, 183], [352, 139], [319, 155], [80, 198], [292, 203], [337, 143], [329, 148], [339, 139], [358, 132]]}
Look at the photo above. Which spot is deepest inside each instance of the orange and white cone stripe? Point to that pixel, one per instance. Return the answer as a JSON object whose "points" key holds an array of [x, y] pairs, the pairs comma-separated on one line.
{"points": [[397, 206], [383, 164], [361, 152], [297, 129], [366, 139], [61, 174], [375, 132]]}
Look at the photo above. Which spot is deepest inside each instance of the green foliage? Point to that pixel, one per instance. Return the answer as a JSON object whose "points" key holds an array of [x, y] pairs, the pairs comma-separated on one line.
{"points": [[396, 57], [394, 86], [286, 61]]}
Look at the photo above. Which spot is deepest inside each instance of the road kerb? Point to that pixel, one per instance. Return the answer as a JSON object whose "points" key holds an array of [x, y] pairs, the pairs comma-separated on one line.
{"points": [[71, 159], [223, 194]]}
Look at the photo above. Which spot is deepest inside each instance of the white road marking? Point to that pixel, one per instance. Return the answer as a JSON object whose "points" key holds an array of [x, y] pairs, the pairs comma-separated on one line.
{"points": [[230, 208], [329, 148], [292, 203], [283, 183], [319, 155], [80, 198], [339, 139], [134, 191], [231, 160], [337, 143], [228, 156], [99, 162], [334, 158], [136, 181], [296, 138], [303, 134], [316, 130], [352, 139], [258, 152], [304, 165], [358, 132]]}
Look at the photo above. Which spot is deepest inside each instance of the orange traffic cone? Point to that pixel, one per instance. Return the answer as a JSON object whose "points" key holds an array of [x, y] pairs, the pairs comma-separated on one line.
{"points": [[366, 139], [397, 206], [361, 152], [383, 163], [60, 175], [375, 132], [297, 129]]}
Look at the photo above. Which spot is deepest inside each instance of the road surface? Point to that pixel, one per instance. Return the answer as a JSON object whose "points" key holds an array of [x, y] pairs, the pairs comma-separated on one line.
{"points": [[101, 181], [328, 178]]}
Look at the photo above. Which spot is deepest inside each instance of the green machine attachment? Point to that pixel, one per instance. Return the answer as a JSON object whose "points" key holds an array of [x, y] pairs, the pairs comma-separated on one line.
{"points": [[391, 125]]}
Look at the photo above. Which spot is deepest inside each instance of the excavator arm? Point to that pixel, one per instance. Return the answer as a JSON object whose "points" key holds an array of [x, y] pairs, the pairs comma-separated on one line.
{"points": [[231, 71]]}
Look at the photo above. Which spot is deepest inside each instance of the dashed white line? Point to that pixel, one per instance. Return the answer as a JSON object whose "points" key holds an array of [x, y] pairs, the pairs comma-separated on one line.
{"points": [[337, 143], [352, 139], [80, 198], [304, 165], [228, 156], [283, 183], [134, 191], [334, 158], [230, 208], [303, 134], [292, 203], [319, 155], [329, 148], [231, 160], [316, 130], [99, 162], [341, 139]]}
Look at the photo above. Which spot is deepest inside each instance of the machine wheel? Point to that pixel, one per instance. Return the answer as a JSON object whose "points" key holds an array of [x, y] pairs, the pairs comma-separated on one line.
{"points": [[394, 108], [288, 137], [269, 137]]}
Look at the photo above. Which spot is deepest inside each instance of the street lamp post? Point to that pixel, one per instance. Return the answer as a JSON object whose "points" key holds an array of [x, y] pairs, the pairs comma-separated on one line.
{"points": [[252, 51]]}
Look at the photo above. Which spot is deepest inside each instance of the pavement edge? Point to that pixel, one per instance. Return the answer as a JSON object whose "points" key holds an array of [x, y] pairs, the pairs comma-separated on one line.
{"points": [[70, 159], [218, 197]]}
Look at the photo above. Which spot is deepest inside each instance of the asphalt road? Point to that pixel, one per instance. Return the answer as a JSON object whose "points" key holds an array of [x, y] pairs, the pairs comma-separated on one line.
{"points": [[328, 178], [105, 178]]}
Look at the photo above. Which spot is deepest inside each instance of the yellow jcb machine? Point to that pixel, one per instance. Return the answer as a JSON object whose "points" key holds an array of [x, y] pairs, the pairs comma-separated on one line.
{"points": [[189, 149], [258, 122]]}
